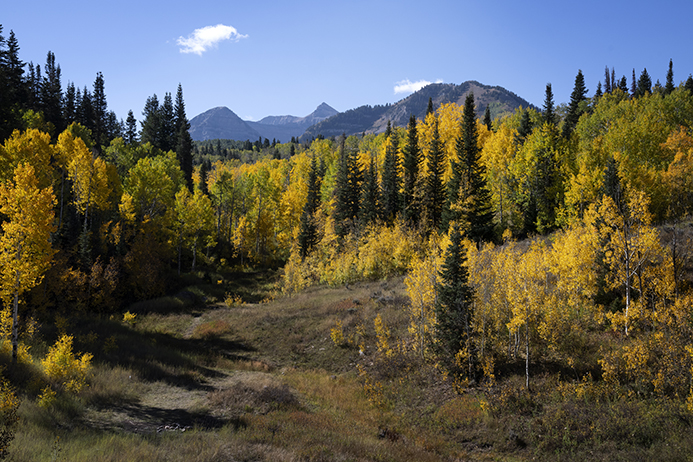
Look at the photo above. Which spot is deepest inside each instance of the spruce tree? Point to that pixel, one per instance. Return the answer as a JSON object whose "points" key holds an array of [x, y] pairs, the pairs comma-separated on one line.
{"points": [[644, 84], [669, 86], [623, 85], [410, 168], [151, 121], [52, 94], [100, 108], [549, 111], [308, 236], [131, 136], [607, 80], [166, 139], [578, 95], [526, 126], [70, 104], [689, 84], [184, 143], [347, 188], [487, 119], [370, 203], [390, 189], [454, 311], [434, 189], [429, 108]]}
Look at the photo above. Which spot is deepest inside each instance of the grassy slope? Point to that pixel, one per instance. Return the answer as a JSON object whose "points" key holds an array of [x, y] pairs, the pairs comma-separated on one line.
{"points": [[195, 380]]}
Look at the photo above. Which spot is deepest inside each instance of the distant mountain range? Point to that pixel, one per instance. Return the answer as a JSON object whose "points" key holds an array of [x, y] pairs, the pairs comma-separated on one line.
{"points": [[222, 123]]}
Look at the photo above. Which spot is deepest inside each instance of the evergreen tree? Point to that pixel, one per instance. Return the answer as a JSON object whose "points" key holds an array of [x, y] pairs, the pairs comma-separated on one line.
{"points": [[70, 104], [598, 92], [308, 236], [644, 84], [167, 128], [429, 108], [454, 311], [100, 112], [347, 188], [689, 84], [370, 204], [205, 168], [390, 190], [131, 136], [184, 141], [623, 84], [549, 111], [487, 118], [633, 86], [526, 126], [434, 190], [607, 80], [578, 95], [151, 121], [410, 168], [85, 113], [52, 94], [669, 86]]}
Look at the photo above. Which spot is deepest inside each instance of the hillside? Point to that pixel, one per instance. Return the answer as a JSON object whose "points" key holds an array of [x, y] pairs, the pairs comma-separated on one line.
{"points": [[283, 128], [373, 119]]}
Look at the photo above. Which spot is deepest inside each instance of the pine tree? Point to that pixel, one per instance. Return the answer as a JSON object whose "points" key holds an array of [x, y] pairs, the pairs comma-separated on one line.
{"points": [[184, 141], [131, 136], [429, 108], [308, 236], [549, 111], [100, 112], [52, 94], [70, 104], [370, 209], [525, 128], [410, 168], [689, 84], [623, 84], [607, 80], [487, 119], [633, 86], [669, 86], [389, 193], [598, 93], [644, 84], [574, 111], [434, 189], [347, 188], [151, 121], [453, 335], [166, 139]]}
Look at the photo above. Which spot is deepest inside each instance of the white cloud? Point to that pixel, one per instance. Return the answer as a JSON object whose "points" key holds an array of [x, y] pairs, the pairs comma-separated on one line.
{"points": [[406, 86], [203, 39]]}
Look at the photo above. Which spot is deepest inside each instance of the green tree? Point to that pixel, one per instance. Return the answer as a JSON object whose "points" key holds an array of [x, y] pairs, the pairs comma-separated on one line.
{"points": [[549, 109], [52, 94], [100, 113], [151, 123], [391, 182], [669, 86], [644, 84], [370, 200], [487, 118], [434, 189], [410, 167], [453, 339], [184, 142], [308, 235], [575, 108], [347, 190]]}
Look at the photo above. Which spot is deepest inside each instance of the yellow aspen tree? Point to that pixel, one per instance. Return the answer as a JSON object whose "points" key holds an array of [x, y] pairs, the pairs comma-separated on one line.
{"points": [[25, 247], [630, 241], [194, 221], [31, 146], [89, 176]]}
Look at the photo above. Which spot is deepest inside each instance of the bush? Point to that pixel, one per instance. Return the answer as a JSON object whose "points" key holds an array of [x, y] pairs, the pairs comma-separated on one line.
{"points": [[64, 368]]}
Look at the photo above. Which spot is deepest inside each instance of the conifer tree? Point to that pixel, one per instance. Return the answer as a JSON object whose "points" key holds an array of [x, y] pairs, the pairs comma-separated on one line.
{"points": [[669, 86], [390, 189], [623, 84], [633, 85], [607, 80], [100, 112], [429, 108], [52, 94], [453, 338], [70, 104], [487, 118], [644, 84], [574, 111], [434, 190], [347, 188], [525, 128], [308, 236], [131, 136], [183, 139], [549, 111], [689, 84], [151, 121], [410, 167], [370, 202], [166, 139]]}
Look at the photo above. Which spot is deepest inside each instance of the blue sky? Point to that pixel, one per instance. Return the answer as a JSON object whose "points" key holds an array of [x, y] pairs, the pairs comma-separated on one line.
{"points": [[278, 58]]}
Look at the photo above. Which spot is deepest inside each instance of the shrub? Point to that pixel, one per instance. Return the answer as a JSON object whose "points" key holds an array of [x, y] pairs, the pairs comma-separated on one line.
{"points": [[9, 403], [64, 368]]}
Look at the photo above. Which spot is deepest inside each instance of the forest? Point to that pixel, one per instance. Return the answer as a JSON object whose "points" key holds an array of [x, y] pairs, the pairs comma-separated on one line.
{"points": [[545, 243]]}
